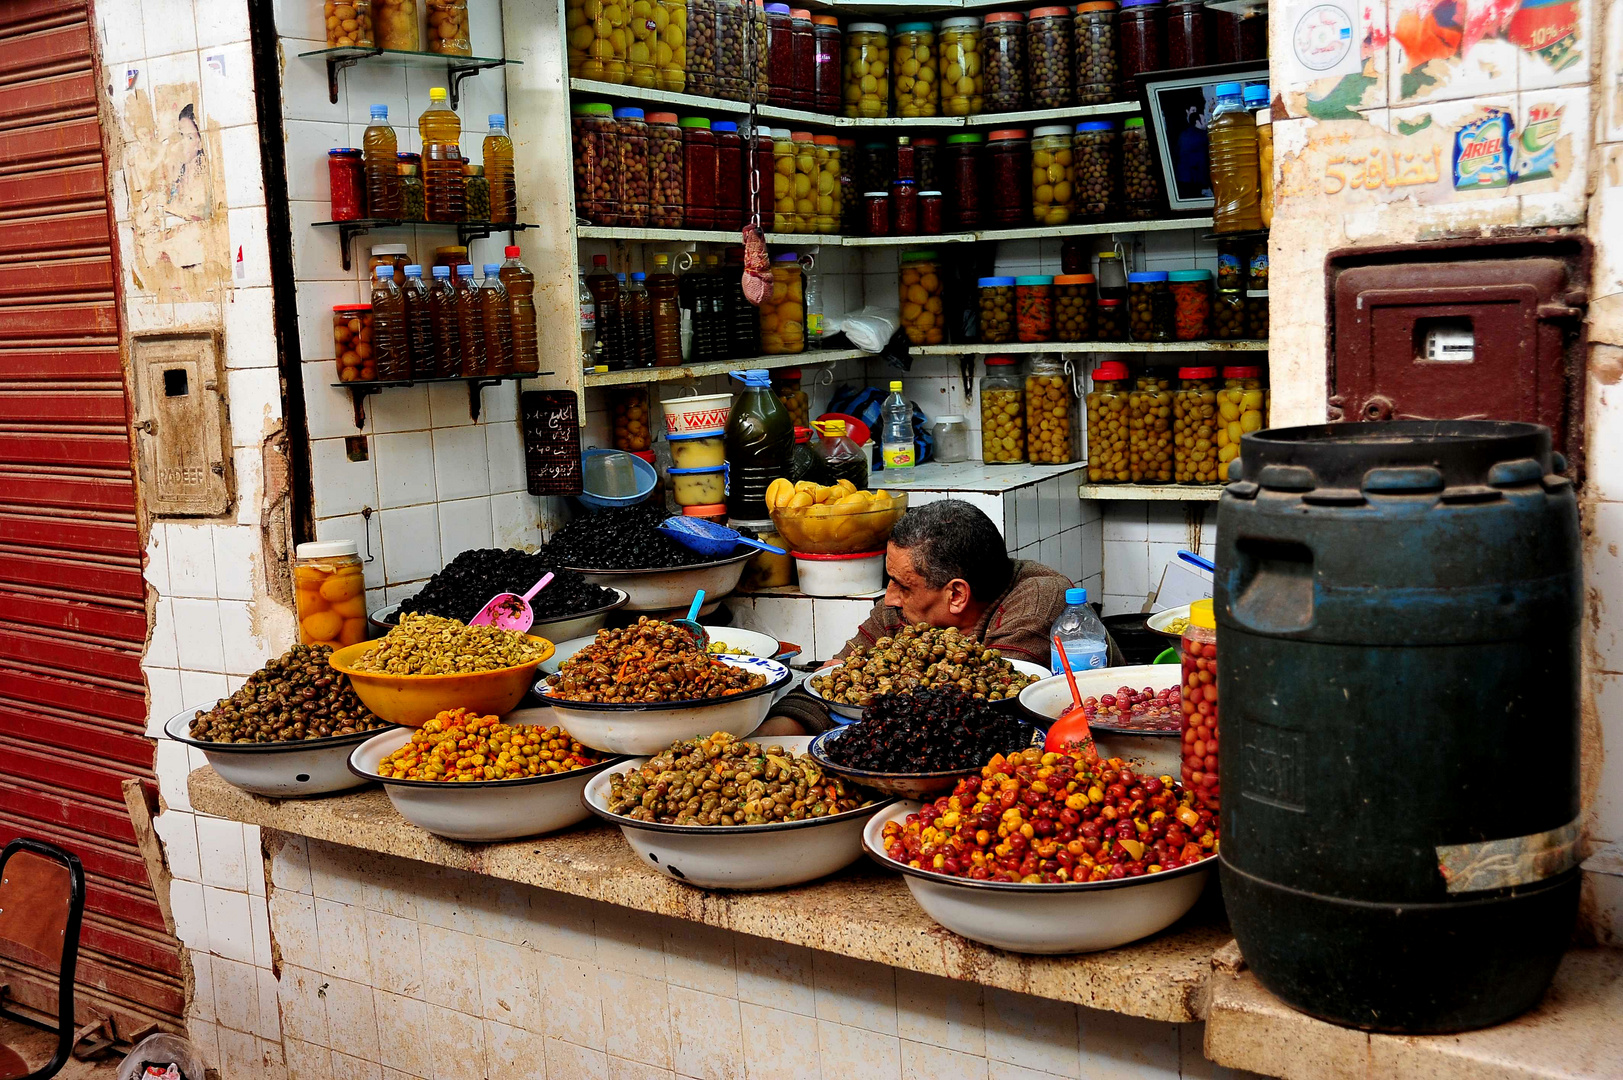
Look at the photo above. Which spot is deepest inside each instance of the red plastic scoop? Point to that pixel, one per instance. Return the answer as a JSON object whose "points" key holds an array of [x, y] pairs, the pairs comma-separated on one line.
{"points": [[1071, 727]]}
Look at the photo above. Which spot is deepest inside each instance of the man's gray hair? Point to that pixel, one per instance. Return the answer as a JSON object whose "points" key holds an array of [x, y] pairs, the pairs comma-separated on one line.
{"points": [[955, 539]]}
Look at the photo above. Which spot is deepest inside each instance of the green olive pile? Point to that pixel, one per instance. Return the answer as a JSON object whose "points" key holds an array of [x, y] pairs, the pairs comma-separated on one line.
{"points": [[294, 697], [431, 645], [722, 781], [917, 657]]}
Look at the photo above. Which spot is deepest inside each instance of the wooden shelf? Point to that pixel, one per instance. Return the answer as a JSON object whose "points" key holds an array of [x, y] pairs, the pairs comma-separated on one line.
{"points": [[637, 376], [1152, 492]]}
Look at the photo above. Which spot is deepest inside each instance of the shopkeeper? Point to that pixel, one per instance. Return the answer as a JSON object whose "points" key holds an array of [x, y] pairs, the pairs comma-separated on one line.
{"points": [[948, 566]]}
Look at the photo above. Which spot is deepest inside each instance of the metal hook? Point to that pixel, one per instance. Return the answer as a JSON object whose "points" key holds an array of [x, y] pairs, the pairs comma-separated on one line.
{"points": [[366, 520]]}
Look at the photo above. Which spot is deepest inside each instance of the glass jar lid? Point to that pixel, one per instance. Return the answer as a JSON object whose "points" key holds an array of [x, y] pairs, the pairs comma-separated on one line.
{"points": [[326, 549], [1051, 129], [1197, 373], [965, 137], [1190, 275], [1034, 279], [994, 282], [1110, 371], [1146, 276]]}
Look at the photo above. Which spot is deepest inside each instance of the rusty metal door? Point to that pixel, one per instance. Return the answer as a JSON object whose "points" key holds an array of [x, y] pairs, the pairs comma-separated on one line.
{"points": [[72, 609]]}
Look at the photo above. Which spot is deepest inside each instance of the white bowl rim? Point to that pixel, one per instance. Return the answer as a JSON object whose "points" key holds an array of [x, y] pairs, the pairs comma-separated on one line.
{"points": [[859, 775], [1007, 703], [451, 785], [187, 715], [781, 679], [1164, 616], [622, 598], [1112, 729], [1032, 887], [747, 553], [880, 803]]}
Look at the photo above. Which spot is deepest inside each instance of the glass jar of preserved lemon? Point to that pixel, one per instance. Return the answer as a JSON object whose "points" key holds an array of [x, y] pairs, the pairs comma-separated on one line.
{"points": [[867, 70], [959, 47], [913, 61], [920, 296], [329, 593]]}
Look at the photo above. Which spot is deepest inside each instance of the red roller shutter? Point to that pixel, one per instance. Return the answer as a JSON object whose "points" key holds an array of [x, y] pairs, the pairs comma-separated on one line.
{"points": [[72, 610]]}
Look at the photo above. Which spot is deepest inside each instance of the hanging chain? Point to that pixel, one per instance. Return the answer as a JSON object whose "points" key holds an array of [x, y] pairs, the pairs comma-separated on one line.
{"points": [[751, 43]]}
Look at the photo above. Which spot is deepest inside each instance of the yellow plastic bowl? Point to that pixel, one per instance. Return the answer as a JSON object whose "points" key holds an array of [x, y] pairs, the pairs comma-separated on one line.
{"points": [[413, 700], [835, 530]]}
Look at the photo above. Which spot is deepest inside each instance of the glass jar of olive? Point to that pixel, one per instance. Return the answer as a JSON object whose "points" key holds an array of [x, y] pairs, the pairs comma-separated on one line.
{"points": [[996, 295], [1149, 306], [1048, 412], [1194, 426], [1149, 445], [1003, 420], [1073, 307], [1109, 424]]}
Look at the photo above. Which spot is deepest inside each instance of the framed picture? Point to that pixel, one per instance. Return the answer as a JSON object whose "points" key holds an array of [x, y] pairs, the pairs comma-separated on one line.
{"points": [[1177, 108]]}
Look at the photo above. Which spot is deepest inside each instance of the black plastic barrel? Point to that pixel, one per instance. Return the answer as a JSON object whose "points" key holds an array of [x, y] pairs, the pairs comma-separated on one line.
{"points": [[1398, 613]]}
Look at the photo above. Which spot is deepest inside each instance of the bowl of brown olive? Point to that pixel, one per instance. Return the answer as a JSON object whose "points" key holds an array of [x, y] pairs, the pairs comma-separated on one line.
{"points": [[921, 657]]}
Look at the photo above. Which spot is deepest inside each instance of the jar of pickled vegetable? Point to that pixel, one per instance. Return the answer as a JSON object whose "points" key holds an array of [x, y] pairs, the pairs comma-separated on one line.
{"points": [[1256, 268], [1241, 409], [1149, 306], [395, 256], [1197, 661], [760, 33], [826, 152], [1109, 422], [592, 52], [1241, 34], [876, 166], [925, 169], [1109, 319], [960, 67], [346, 182], [329, 593], [1256, 314], [920, 294], [1194, 426], [805, 181], [783, 182], [1003, 413], [780, 56], [826, 64], [697, 176], [1048, 412], [1096, 168], [1140, 34], [352, 342], [664, 34], [475, 193], [592, 133], [904, 208], [783, 312], [876, 205], [1149, 443], [1073, 307], [631, 179], [413, 196], [701, 48], [1098, 63], [1186, 34], [1191, 304], [1003, 42], [930, 213], [1049, 38], [1034, 308], [996, 302], [733, 23], [795, 402], [349, 24], [913, 62], [1053, 176], [961, 179], [1141, 192], [448, 33], [731, 195], [867, 70], [1228, 314], [805, 57], [628, 411], [850, 194]]}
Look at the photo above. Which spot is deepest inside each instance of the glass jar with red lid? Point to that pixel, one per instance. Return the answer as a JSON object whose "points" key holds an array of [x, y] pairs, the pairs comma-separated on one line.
{"points": [[803, 43], [347, 180], [1003, 46], [1142, 47], [780, 56], [1049, 40], [826, 64], [876, 207], [1197, 660], [1098, 56], [961, 169], [699, 167], [730, 195], [1186, 34], [1008, 171]]}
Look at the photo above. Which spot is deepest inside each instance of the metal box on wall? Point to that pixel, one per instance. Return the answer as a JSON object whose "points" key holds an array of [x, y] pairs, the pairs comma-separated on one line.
{"points": [[180, 418]]}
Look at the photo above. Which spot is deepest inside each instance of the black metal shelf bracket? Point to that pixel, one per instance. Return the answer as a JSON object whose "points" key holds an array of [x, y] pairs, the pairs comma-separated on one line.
{"points": [[457, 70], [475, 399], [335, 64]]}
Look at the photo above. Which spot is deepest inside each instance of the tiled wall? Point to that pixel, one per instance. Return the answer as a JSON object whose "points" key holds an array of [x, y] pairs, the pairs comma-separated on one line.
{"points": [[392, 970], [1142, 538]]}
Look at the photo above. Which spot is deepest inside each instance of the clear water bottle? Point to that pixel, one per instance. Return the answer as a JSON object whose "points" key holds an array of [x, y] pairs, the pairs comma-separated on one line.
{"points": [[814, 304], [896, 430], [1087, 646]]}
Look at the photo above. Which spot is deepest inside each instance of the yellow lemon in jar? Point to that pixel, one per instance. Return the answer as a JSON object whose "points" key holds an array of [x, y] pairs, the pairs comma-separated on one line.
{"points": [[1043, 194]]}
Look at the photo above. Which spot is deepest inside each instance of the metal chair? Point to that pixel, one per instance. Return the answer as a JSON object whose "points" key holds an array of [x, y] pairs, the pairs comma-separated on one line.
{"points": [[42, 902]]}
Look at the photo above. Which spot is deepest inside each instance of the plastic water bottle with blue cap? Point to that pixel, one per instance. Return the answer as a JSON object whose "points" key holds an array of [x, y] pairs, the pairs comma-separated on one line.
{"points": [[1083, 636], [896, 430]]}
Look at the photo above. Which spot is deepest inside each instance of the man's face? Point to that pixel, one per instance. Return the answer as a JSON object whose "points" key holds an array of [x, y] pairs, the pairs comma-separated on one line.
{"points": [[907, 590]]}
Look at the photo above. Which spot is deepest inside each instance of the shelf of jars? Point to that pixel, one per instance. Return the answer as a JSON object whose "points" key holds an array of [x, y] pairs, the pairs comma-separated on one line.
{"points": [[1151, 492], [981, 349], [457, 68], [722, 236], [696, 236], [361, 389], [720, 367], [465, 230]]}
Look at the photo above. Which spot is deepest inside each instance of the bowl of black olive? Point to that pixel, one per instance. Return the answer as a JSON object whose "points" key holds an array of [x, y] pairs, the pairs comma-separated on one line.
{"points": [[919, 745], [624, 549], [569, 607]]}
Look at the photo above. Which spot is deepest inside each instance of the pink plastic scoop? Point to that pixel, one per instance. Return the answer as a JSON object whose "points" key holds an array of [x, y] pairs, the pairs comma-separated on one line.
{"points": [[510, 611]]}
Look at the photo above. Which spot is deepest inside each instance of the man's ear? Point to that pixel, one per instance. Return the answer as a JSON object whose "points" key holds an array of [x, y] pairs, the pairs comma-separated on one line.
{"points": [[958, 596]]}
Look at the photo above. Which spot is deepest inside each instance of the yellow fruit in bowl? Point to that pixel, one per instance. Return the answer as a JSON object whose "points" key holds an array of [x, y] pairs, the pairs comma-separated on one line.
{"points": [[800, 500], [856, 498], [846, 485], [778, 493]]}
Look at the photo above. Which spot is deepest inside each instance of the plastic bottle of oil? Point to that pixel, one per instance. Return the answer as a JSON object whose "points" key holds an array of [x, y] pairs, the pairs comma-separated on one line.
{"points": [[1233, 140], [499, 170], [389, 327], [470, 327], [419, 326], [1256, 100], [520, 285], [442, 318], [381, 166], [639, 307], [443, 193], [611, 339], [496, 320], [664, 291]]}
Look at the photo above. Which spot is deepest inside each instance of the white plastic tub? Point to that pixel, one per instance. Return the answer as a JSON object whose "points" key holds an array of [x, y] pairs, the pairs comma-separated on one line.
{"points": [[840, 575], [693, 415]]}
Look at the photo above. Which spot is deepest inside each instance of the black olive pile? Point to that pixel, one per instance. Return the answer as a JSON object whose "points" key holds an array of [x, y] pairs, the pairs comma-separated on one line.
{"points": [[928, 731], [294, 697], [625, 538], [468, 582]]}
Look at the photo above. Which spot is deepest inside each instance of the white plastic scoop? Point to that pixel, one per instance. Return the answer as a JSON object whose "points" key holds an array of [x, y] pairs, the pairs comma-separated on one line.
{"points": [[510, 611]]}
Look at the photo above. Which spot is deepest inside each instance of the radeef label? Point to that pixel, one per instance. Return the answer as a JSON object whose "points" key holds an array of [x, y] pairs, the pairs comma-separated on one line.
{"points": [[1535, 145], [1482, 152]]}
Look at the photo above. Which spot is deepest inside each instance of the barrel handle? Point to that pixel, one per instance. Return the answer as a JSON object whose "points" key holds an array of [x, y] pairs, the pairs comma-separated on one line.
{"points": [[1272, 588]]}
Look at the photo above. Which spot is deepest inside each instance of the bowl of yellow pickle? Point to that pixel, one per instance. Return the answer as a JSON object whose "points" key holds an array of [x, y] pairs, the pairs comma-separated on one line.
{"points": [[833, 519]]}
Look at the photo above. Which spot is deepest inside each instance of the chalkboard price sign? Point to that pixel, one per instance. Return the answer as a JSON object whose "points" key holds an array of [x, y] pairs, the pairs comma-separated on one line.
{"points": [[551, 423]]}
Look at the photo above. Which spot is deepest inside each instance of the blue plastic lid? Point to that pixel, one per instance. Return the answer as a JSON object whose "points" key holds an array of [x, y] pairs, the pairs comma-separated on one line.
{"points": [[1074, 597], [777, 9], [414, 270], [620, 277], [753, 377], [492, 268], [498, 120], [1096, 125], [716, 434], [994, 282], [638, 275], [723, 125], [1228, 89], [463, 270], [1138, 3], [1034, 279], [706, 469], [911, 27], [627, 112], [1147, 275], [380, 112], [343, 150], [1256, 94], [442, 272], [385, 273], [1191, 275]]}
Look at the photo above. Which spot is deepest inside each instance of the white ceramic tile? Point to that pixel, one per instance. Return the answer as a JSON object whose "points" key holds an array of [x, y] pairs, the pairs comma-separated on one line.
{"points": [[219, 842], [239, 1052], [411, 548], [247, 464], [396, 952], [256, 402], [235, 549], [706, 1034], [855, 993], [701, 957], [405, 468], [1610, 107], [156, 568], [852, 1051], [1114, 604], [227, 84], [317, 255], [229, 931], [504, 453], [197, 635], [200, 1002], [307, 1061], [1603, 576], [450, 977], [368, 541], [509, 983], [1126, 567], [1032, 1032], [179, 834], [172, 764], [1048, 511], [516, 520], [401, 408], [221, 24], [191, 560], [636, 1018], [448, 405], [1535, 71], [401, 1024], [342, 486], [779, 975], [947, 1013], [341, 929], [236, 994], [461, 467], [163, 698], [1166, 523], [567, 1059], [1561, 198], [244, 179], [307, 142], [304, 1004], [191, 918], [336, 873], [923, 1061], [790, 1052], [202, 688], [836, 622], [250, 250], [1116, 1047], [1009, 523], [1125, 521], [253, 857], [352, 1019], [245, 650], [123, 37], [1049, 554], [269, 1026], [161, 644], [250, 334]]}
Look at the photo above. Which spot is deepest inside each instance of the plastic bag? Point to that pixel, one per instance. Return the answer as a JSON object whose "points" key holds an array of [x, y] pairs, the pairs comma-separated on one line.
{"points": [[869, 329], [162, 1050]]}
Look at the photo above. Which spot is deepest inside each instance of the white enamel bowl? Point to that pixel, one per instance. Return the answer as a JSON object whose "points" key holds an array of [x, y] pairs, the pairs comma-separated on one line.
{"points": [[1155, 753], [648, 729], [279, 770], [844, 714], [1070, 918], [385, 619], [667, 590], [478, 811], [1162, 619], [751, 642], [740, 856], [916, 785]]}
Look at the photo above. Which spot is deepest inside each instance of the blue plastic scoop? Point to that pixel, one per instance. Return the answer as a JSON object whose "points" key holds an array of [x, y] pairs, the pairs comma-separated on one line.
{"points": [[709, 539]]}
